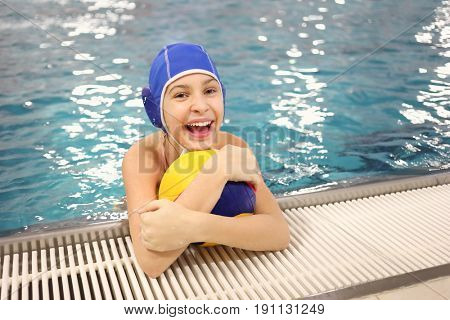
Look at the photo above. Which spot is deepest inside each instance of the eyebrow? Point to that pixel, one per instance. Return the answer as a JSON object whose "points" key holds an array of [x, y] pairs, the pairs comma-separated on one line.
{"points": [[183, 86], [179, 86]]}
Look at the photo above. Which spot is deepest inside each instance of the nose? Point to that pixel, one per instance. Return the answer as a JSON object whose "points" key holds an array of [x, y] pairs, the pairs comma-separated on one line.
{"points": [[199, 104]]}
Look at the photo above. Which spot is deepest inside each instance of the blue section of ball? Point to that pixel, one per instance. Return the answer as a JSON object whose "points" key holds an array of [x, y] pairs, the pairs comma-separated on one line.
{"points": [[236, 198]]}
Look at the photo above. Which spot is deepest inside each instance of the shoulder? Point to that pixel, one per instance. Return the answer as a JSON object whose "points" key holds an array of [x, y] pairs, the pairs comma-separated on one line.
{"points": [[143, 155], [229, 138]]}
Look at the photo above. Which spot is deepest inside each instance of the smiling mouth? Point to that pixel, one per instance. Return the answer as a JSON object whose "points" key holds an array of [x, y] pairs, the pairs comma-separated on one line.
{"points": [[199, 129]]}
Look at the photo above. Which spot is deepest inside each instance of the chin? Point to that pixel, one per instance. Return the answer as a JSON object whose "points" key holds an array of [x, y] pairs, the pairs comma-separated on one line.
{"points": [[199, 145]]}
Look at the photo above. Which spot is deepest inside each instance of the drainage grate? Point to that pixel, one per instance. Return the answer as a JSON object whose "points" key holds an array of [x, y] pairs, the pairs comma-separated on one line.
{"points": [[333, 246]]}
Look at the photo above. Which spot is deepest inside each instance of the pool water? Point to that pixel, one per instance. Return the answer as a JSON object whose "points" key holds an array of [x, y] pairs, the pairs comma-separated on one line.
{"points": [[325, 92]]}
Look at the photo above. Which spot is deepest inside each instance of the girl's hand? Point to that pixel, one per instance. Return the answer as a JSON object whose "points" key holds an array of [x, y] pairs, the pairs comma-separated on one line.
{"points": [[165, 226], [239, 164]]}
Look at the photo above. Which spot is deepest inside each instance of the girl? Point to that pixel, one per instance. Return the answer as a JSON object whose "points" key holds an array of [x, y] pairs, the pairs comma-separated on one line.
{"points": [[185, 99]]}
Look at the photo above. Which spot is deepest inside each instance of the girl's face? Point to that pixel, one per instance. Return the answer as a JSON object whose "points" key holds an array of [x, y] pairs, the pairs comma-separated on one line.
{"points": [[193, 110]]}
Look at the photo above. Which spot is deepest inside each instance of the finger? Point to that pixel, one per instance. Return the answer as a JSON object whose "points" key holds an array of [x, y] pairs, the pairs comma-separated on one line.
{"points": [[256, 184], [252, 183], [150, 218], [257, 180], [147, 244], [150, 206], [141, 209], [153, 246], [145, 236]]}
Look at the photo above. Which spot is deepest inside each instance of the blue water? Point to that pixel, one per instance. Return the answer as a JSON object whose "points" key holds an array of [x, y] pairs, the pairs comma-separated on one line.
{"points": [[307, 88]]}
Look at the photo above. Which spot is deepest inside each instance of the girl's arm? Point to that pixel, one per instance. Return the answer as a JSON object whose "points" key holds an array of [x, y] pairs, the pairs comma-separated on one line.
{"points": [[140, 179], [169, 226], [267, 229]]}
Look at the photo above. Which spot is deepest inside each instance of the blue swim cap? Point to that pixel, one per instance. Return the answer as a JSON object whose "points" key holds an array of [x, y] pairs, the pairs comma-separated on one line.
{"points": [[173, 62]]}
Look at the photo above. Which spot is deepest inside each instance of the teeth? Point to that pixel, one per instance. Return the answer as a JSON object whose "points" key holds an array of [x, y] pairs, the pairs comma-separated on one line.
{"points": [[199, 124]]}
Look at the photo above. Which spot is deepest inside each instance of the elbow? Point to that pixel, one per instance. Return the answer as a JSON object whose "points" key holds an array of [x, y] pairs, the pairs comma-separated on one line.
{"points": [[152, 271], [279, 245], [150, 268], [285, 237], [284, 243], [281, 238]]}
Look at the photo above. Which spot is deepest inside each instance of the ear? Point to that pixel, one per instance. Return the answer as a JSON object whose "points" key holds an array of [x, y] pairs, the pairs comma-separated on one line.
{"points": [[146, 96], [151, 107]]}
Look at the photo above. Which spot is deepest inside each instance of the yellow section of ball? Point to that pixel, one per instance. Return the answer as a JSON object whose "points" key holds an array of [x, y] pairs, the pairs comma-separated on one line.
{"points": [[181, 173]]}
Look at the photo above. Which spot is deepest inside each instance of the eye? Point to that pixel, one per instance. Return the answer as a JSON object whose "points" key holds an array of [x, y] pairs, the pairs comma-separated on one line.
{"points": [[211, 91], [180, 95]]}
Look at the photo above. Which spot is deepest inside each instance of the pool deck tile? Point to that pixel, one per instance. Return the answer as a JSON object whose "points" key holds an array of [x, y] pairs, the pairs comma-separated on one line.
{"points": [[435, 289]]}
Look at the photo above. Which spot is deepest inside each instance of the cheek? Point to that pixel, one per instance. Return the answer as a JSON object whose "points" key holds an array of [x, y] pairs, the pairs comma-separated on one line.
{"points": [[217, 105], [173, 116], [219, 111]]}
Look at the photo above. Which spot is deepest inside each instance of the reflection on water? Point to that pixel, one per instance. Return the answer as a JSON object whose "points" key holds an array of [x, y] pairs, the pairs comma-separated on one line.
{"points": [[95, 114], [330, 147], [313, 112], [298, 108]]}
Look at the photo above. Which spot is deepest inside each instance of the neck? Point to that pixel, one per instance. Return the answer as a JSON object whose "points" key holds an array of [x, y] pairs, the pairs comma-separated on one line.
{"points": [[172, 150]]}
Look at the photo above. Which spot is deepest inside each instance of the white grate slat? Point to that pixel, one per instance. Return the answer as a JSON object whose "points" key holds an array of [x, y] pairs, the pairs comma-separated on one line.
{"points": [[92, 273], [25, 276], [64, 278], [54, 274], [73, 273], [5, 278], [34, 275], [44, 275], [84, 280], [15, 277]]}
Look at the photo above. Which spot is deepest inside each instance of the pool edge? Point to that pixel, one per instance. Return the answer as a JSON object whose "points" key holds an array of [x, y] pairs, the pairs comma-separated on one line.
{"points": [[341, 193]]}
